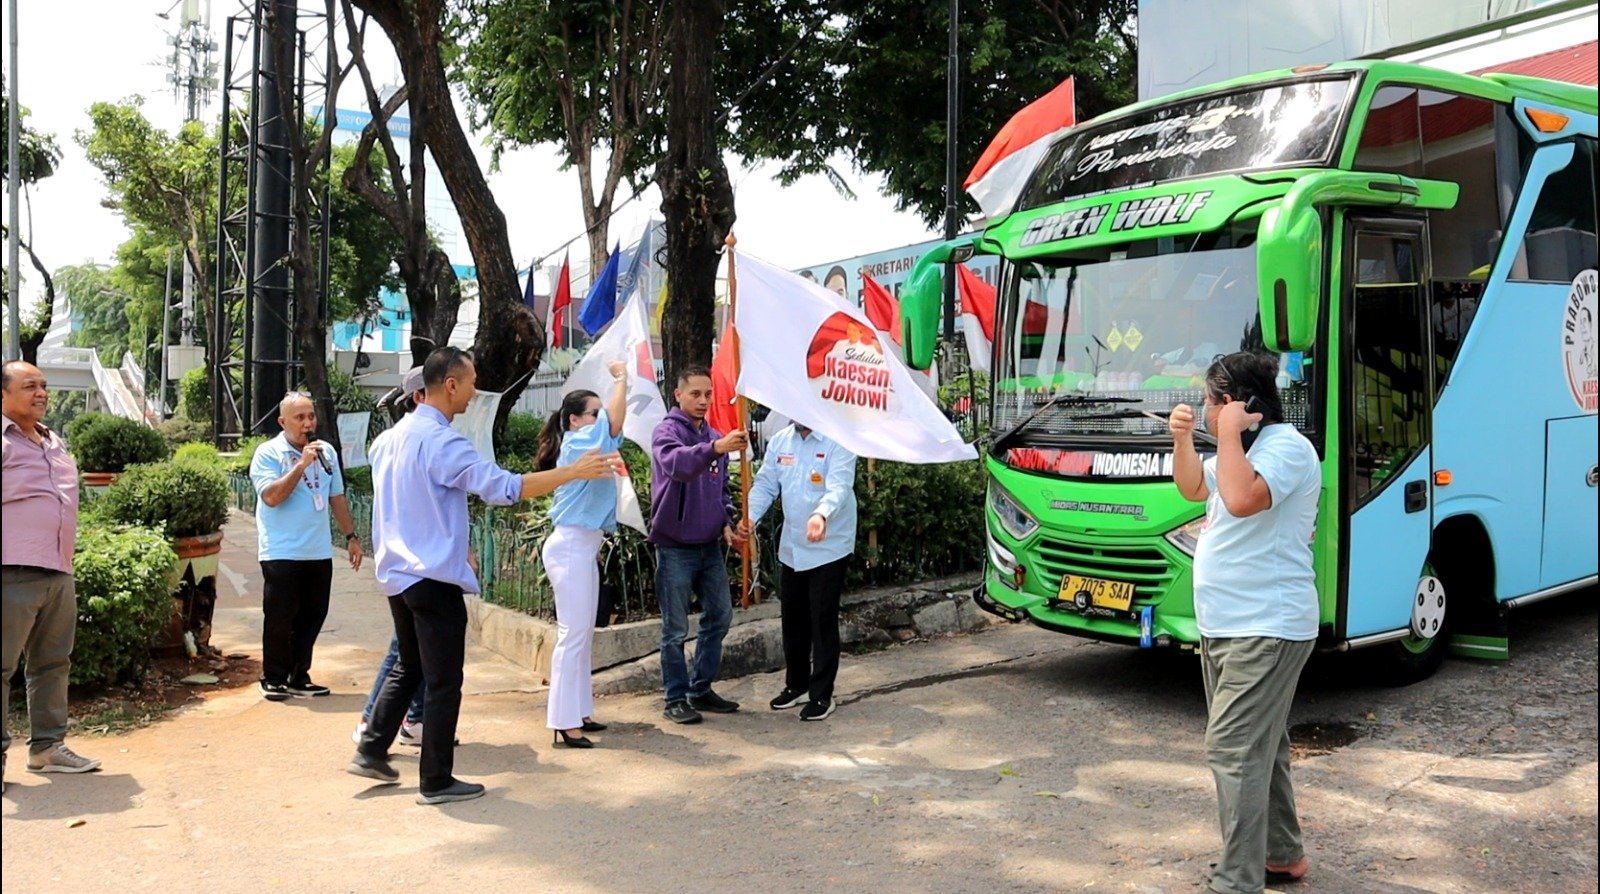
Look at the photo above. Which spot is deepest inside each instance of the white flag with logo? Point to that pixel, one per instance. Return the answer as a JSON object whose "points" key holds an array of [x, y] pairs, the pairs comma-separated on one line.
{"points": [[353, 439], [476, 423], [628, 340], [808, 354]]}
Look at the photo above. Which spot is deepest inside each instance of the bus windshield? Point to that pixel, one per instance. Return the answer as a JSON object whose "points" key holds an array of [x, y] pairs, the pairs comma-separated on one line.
{"points": [[1090, 345]]}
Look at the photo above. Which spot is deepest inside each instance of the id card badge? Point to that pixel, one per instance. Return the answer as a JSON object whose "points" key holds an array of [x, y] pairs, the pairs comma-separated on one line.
{"points": [[318, 502]]}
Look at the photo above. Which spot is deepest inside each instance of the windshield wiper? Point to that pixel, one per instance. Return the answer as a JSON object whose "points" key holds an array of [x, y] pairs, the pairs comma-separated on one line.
{"points": [[1068, 400]]}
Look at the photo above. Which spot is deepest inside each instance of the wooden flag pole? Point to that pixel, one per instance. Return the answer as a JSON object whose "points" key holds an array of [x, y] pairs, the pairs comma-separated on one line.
{"points": [[745, 548]]}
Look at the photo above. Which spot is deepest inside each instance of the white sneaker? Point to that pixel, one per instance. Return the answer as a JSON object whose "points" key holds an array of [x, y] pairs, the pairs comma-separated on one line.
{"points": [[361, 729], [411, 734], [60, 759]]}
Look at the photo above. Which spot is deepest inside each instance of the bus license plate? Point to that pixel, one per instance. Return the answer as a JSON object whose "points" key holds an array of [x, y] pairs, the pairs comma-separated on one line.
{"points": [[1112, 594]]}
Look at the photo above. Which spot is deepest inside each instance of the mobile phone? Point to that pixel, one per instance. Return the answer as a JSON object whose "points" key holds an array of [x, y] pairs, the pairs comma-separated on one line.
{"points": [[1255, 405]]}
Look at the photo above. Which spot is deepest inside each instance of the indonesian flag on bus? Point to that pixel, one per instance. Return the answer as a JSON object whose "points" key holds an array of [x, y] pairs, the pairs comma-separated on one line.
{"points": [[996, 180], [977, 317]]}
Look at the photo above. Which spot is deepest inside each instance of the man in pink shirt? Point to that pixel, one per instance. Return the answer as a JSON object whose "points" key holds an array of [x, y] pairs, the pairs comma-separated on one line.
{"points": [[39, 514]]}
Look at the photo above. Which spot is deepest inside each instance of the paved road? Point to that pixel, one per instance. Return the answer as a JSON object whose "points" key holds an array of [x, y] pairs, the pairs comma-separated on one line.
{"points": [[1012, 760]]}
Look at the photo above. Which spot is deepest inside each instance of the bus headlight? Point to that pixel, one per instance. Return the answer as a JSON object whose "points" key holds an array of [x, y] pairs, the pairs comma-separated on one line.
{"points": [[1187, 537], [1011, 570], [1012, 517]]}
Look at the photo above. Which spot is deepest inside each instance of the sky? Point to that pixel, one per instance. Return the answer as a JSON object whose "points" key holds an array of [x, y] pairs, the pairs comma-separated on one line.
{"points": [[73, 53]]}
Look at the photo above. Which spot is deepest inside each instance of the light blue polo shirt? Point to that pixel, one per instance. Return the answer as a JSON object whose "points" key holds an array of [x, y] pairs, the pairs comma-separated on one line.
{"points": [[1253, 576], [294, 529], [808, 476], [593, 503]]}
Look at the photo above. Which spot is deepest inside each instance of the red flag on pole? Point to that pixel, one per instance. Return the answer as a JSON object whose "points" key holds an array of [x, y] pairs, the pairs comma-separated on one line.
{"points": [[882, 308], [724, 414], [559, 304], [977, 316]]}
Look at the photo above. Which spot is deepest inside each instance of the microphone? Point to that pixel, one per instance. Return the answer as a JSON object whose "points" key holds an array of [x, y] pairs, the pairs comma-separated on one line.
{"points": [[323, 459]]}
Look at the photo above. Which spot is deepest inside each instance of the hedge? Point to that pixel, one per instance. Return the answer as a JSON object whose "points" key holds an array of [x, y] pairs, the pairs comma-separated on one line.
{"points": [[124, 589]]}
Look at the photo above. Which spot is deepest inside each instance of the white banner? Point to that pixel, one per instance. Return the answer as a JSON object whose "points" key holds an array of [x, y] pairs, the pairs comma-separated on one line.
{"points": [[628, 340], [477, 423], [353, 439], [808, 354]]}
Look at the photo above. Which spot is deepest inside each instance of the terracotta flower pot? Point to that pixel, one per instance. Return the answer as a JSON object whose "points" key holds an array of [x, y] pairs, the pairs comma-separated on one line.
{"points": [[99, 479], [194, 591]]}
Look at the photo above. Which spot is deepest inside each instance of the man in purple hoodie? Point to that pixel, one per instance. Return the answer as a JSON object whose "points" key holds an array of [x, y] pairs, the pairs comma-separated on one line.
{"points": [[691, 517]]}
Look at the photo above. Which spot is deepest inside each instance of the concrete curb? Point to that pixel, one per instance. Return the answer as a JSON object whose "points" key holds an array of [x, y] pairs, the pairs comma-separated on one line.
{"points": [[627, 656]]}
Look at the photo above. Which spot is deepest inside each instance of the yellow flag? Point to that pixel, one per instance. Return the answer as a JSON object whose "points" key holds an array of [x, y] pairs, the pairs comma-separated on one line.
{"points": [[661, 305]]}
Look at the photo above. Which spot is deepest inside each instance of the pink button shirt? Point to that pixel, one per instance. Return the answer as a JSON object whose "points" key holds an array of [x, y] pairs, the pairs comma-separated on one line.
{"points": [[39, 496]]}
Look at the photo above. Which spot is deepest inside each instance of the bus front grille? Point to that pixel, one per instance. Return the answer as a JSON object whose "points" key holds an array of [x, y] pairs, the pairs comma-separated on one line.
{"points": [[1145, 566]]}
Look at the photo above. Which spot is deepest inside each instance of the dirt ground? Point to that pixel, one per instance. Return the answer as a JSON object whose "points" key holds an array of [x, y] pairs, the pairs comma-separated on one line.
{"points": [[1012, 760]]}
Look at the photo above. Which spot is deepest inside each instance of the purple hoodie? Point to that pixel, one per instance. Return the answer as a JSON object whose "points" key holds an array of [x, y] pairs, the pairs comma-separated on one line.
{"points": [[689, 502]]}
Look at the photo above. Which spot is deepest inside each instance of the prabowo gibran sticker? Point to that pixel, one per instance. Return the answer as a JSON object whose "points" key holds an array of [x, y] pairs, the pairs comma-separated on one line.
{"points": [[847, 367], [1578, 336]]}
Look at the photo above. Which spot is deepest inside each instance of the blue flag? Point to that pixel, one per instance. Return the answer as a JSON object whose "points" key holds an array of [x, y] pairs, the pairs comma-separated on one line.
{"points": [[600, 305], [527, 292]]}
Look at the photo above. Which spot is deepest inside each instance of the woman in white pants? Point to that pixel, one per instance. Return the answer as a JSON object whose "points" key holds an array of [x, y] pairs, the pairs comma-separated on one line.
{"points": [[583, 513]]}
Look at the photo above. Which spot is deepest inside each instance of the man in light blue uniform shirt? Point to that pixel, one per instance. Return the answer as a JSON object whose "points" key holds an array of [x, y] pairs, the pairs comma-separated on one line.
{"points": [[297, 481], [422, 472], [815, 480]]}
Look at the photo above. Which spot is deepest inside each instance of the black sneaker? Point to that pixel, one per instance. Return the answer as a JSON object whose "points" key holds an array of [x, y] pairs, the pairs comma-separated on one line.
{"points": [[373, 768], [712, 702], [680, 712], [789, 698], [817, 710], [308, 689], [275, 692], [455, 791]]}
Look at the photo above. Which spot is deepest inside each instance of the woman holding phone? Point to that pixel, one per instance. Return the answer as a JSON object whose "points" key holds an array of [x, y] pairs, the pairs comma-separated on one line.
{"points": [[583, 512]]}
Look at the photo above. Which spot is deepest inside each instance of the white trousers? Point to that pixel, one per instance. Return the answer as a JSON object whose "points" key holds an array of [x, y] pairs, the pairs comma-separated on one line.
{"points": [[569, 559]]}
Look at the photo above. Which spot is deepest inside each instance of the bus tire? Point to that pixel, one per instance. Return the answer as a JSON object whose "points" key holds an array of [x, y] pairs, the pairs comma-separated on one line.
{"points": [[1419, 655]]}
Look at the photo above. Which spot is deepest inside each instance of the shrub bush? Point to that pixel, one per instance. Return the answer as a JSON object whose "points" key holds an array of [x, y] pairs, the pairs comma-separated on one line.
{"points": [[240, 464], [180, 430], [182, 498], [194, 394], [102, 442], [123, 581], [198, 451], [358, 481], [519, 441]]}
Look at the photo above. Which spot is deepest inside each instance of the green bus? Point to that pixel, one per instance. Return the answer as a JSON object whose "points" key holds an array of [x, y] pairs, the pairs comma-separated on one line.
{"points": [[1418, 250]]}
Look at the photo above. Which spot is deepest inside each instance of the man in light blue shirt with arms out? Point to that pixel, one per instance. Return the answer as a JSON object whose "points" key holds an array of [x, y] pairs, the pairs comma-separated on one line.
{"points": [[1255, 601], [815, 480], [422, 472], [298, 482]]}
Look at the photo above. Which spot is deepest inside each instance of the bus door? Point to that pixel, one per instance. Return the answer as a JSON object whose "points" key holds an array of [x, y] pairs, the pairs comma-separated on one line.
{"points": [[1386, 421]]}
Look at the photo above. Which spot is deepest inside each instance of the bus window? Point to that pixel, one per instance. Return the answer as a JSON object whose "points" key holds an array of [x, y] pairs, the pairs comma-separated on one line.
{"points": [[1389, 379], [1452, 306], [1444, 136], [1560, 242]]}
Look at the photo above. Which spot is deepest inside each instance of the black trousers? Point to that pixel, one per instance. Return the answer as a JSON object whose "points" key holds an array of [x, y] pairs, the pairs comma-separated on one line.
{"points": [[294, 603], [810, 613], [430, 621]]}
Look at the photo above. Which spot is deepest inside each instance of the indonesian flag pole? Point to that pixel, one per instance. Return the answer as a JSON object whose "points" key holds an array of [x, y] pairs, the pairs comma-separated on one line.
{"points": [[744, 423]]}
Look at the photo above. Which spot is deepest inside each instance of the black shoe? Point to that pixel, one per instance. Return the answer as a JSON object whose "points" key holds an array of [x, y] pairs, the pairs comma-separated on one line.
{"points": [[307, 689], [455, 791], [373, 768], [680, 712], [817, 710], [590, 726], [789, 698], [562, 737], [712, 702], [275, 692]]}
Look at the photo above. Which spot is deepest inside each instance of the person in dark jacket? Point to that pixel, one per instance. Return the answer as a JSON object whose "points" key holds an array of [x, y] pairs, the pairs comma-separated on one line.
{"points": [[691, 517]]}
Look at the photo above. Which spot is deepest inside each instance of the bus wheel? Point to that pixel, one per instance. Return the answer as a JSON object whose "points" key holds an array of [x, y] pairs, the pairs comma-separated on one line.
{"points": [[1416, 657]]}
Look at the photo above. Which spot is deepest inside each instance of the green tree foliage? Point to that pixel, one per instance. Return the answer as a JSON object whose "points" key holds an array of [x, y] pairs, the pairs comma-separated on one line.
{"points": [[361, 247], [37, 153], [123, 582]]}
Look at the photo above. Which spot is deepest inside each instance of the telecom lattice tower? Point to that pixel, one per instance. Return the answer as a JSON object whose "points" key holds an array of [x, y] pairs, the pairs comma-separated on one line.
{"points": [[255, 307]]}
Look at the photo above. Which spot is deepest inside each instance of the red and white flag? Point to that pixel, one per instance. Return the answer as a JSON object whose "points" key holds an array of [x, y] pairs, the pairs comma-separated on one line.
{"points": [[815, 358], [560, 302], [882, 308], [977, 317], [997, 179], [723, 415]]}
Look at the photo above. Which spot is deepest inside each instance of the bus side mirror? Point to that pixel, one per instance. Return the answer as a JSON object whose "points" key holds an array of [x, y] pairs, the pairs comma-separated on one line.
{"points": [[922, 298], [1290, 248]]}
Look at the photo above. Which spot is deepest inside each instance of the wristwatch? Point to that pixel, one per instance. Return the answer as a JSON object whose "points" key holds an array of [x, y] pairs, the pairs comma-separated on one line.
{"points": [[351, 536]]}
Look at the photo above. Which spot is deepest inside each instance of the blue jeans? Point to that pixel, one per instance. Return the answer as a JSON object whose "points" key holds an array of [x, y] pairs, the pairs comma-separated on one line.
{"points": [[682, 571], [414, 713]]}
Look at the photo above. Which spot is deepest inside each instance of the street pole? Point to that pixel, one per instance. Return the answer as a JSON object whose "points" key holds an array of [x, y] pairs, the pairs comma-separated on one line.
{"points": [[13, 186], [952, 182], [166, 336]]}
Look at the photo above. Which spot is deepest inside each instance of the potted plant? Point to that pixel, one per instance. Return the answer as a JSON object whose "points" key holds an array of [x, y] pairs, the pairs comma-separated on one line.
{"points": [[187, 500], [104, 445]]}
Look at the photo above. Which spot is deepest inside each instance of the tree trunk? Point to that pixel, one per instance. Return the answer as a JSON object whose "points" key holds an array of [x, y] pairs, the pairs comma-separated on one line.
{"points": [[696, 196], [510, 337]]}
